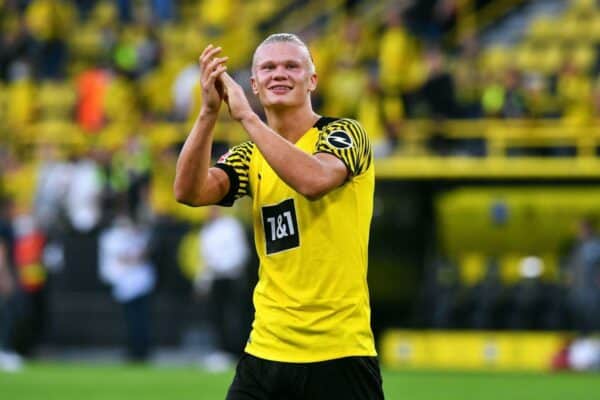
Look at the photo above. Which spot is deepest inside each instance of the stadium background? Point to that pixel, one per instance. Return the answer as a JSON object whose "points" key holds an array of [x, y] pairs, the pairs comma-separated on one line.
{"points": [[483, 115]]}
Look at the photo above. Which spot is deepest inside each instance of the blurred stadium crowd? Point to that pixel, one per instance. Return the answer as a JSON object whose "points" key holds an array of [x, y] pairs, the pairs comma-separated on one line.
{"points": [[107, 68], [97, 95]]}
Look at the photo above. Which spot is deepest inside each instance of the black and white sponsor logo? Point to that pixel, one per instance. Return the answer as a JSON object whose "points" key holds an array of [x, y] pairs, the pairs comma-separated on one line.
{"points": [[340, 139], [281, 226]]}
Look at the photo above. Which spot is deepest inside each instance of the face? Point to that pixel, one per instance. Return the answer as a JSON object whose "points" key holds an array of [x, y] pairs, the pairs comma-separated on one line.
{"points": [[282, 75]]}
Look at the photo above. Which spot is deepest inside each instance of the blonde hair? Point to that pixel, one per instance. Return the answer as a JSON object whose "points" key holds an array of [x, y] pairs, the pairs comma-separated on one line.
{"points": [[285, 38]]}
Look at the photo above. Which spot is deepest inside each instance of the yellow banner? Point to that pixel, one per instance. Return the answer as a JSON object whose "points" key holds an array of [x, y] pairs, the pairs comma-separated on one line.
{"points": [[530, 351]]}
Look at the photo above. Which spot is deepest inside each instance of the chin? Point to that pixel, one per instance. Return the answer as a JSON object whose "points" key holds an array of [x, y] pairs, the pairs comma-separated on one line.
{"points": [[281, 102]]}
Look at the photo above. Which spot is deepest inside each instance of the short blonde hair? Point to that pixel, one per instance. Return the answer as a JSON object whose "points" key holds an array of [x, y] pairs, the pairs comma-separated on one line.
{"points": [[285, 38]]}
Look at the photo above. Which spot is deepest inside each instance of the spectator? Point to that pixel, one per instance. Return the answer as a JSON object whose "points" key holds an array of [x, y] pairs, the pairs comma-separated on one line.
{"points": [[133, 161], [164, 10], [438, 92], [584, 279], [124, 266], [381, 116], [92, 86], [467, 76], [184, 90], [50, 22], [84, 196], [52, 184], [9, 360], [17, 45], [575, 94], [487, 299], [32, 279], [398, 70], [224, 251], [533, 304]]}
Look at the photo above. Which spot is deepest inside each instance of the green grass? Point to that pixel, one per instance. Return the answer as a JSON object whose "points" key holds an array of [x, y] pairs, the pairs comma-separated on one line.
{"points": [[85, 382]]}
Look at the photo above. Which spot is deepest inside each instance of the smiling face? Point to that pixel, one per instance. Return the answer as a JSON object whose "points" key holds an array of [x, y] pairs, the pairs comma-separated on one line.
{"points": [[283, 75]]}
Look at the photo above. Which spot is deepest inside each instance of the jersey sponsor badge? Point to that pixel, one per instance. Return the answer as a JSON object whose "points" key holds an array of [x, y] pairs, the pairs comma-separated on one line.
{"points": [[281, 226], [340, 139]]}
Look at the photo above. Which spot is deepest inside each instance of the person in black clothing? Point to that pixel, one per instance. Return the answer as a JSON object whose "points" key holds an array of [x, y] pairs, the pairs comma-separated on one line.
{"points": [[9, 295]]}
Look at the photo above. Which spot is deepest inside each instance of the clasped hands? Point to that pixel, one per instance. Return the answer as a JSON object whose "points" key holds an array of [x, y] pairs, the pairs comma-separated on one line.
{"points": [[218, 86]]}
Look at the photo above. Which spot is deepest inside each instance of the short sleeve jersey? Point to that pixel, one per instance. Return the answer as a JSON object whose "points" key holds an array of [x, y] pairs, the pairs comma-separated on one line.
{"points": [[311, 299]]}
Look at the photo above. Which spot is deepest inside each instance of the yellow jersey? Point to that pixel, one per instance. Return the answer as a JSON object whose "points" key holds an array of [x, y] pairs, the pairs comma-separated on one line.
{"points": [[311, 300]]}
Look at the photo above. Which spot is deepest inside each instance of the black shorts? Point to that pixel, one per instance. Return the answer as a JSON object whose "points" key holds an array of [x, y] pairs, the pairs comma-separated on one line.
{"points": [[349, 378]]}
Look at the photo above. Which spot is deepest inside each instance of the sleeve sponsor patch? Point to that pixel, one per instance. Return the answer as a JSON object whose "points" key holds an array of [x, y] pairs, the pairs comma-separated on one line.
{"points": [[340, 139]]}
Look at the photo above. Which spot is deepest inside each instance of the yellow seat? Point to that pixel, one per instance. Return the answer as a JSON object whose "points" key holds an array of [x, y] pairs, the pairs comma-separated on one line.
{"points": [[583, 57], [567, 28], [21, 103], [551, 59], [120, 104], [542, 28], [56, 100], [496, 59], [594, 27], [472, 268], [62, 132], [87, 43], [526, 57], [509, 264], [582, 7]]}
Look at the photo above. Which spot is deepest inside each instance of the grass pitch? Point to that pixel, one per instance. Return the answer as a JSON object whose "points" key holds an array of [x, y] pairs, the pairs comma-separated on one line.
{"points": [[85, 382]]}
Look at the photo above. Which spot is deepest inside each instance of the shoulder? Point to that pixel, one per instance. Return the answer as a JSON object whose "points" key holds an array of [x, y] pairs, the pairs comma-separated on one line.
{"points": [[340, 128], [240, 152], [346, 139], [328, 123], [342, 133]]}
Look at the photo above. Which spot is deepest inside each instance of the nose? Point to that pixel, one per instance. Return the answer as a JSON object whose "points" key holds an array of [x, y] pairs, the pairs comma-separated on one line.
{"points": [[279, 73]]}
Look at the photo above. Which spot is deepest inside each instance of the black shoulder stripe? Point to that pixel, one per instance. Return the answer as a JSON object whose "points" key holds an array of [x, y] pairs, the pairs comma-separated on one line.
{"points": [[323, 121]]}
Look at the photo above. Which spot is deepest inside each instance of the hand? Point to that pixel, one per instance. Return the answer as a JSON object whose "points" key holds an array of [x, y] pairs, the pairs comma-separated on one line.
{"points": [[211, 67], [239, 107]]}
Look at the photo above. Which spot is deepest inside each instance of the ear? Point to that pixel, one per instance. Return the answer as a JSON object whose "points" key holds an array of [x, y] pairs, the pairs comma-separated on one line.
{"points": [[312, 84], [254, 85]]}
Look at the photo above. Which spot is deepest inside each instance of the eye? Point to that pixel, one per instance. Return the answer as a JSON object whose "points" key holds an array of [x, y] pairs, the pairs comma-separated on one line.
{"points": [[292, 66]]}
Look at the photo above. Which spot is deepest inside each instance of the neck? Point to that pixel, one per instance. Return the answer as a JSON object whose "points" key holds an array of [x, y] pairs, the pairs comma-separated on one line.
{"points": [[291, 123]]}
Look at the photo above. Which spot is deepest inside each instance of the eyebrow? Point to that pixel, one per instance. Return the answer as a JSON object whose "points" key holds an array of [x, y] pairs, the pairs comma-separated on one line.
{"points": [[285, 61]]}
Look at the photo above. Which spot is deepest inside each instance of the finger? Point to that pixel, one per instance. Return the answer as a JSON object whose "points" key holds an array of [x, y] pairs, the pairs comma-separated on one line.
{"points": [[214, 63], [218, 71], [208, 56], [215, 74], [204, 53], [208, 73], [206, 49]]}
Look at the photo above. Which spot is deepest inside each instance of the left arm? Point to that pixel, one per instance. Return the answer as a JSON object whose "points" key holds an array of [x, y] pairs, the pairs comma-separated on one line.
{"points": [[313, 176]]}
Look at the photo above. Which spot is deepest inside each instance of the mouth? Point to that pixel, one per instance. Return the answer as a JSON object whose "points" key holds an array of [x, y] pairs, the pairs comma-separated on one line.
{"points": [[280, 89]]}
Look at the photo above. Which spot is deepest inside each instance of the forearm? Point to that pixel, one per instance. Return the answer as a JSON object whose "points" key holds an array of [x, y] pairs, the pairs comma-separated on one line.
{"points": [[194, 160], [303, 172]]}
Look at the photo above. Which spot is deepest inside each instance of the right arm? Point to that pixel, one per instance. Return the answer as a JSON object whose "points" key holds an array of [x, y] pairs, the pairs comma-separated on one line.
{"points": [[195, 183]]}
